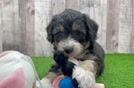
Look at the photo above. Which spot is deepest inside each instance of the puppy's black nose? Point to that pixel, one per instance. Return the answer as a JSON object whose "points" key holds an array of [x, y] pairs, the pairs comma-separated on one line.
{"points": [[68, 50]]}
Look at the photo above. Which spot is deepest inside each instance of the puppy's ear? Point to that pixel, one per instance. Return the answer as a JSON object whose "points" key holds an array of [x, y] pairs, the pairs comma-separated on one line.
{"points": [[50, 28], [49, 32], [92, 27]]}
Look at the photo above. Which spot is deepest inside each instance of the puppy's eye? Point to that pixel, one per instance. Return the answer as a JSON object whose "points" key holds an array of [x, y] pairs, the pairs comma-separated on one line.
{"points": [[59, 36], [79, 36]]}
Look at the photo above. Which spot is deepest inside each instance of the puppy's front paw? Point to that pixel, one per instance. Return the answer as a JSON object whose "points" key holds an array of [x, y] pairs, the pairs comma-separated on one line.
{"points": [[46, 83], [84, 78]]}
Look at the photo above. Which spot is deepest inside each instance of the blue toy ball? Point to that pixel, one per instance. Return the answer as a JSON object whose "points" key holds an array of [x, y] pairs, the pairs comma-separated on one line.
{"points": [[66, 82]]}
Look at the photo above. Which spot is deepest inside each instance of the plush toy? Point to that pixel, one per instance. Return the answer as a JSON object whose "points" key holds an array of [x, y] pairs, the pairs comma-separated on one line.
{"points": [[66, 82], [17, 71]]}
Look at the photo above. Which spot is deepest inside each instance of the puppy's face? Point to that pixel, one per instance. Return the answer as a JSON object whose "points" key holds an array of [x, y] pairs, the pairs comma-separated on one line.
{"points": [[72, 40], [69, 36]]}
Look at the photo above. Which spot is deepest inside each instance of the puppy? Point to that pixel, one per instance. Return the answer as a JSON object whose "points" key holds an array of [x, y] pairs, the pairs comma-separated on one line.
{"points": [[76, 51]]}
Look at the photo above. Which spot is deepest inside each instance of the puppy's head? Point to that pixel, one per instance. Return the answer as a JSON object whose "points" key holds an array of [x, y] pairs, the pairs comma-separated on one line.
{"points": [[71, 32]]}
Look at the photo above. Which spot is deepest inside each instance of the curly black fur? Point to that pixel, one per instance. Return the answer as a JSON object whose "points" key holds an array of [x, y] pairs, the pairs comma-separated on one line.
{"points": [[62, 60]]}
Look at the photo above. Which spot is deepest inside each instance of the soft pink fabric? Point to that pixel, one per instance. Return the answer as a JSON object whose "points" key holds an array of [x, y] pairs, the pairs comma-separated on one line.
{"points": [[14, 80], [5, 53], [99, 85], [56, 83]]}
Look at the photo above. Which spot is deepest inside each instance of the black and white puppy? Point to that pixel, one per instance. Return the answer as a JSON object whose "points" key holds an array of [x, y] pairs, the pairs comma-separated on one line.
{"points": [[77, 54]]}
